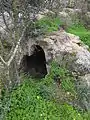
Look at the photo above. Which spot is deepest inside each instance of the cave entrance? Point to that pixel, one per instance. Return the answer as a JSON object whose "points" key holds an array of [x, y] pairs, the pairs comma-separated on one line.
{"points": [[35, 64]]}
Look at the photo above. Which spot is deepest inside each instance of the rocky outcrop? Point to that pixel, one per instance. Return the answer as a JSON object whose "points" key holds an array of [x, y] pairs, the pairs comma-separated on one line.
{"points": [[64, 47], [67, 49], [75, 4]]}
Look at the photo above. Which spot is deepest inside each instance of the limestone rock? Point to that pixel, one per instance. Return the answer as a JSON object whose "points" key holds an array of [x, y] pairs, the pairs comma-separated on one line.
{"points": [[67, 49]]}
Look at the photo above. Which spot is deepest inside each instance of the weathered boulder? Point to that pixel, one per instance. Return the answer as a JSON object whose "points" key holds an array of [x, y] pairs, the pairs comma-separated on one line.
{"points": [[67, 49]]}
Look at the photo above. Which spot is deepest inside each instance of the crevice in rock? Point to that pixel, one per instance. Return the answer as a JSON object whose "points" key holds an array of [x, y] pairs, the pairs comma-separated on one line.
{"points": [[35, 64]]}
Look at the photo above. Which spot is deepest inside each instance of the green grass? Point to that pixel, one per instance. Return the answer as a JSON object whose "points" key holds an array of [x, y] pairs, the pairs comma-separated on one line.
{"points": [[43, 26], [25, 103], [49, 24], [82, 32], [35, 99], [67, 80]]}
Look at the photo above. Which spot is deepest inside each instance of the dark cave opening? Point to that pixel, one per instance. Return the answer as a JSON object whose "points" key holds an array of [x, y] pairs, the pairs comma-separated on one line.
{"points": [[35, 65]]}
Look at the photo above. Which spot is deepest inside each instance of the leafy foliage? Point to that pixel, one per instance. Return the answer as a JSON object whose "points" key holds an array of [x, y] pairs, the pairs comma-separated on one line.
{"points": [[49, 24], [26, 103], [33, 99], [67, 80]]}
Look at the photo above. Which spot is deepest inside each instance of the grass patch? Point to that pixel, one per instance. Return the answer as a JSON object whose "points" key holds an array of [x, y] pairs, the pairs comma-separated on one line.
{"points": [[26, 103], [43, 26], [49, 24], [35, 100], [82, 32]]}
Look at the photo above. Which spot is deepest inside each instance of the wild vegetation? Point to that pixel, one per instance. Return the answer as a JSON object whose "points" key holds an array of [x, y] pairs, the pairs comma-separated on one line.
{"points": [[50, 98], [43, 99], [50, 24]]}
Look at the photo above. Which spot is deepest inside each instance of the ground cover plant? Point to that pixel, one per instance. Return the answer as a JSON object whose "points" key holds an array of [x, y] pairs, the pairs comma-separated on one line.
{"points": [[36, 99]]}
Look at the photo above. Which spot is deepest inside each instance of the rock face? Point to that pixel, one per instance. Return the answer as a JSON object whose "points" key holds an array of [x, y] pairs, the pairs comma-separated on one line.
{"points": [[71, 4], [64, 47], [67, 49]]}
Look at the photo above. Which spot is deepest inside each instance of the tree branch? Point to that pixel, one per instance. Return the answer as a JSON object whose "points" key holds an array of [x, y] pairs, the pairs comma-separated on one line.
{"points": [[16, 48], [3, 60], [14, 52], [5, 21]]}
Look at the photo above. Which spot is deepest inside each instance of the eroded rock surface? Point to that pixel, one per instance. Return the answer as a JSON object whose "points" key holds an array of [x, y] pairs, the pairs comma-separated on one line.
{"points": [[68, 50]]}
